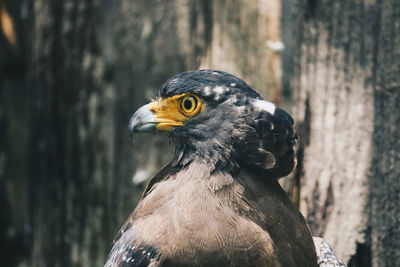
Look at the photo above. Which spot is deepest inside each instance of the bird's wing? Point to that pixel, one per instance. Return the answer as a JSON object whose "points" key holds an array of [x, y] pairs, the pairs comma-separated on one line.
{"points": [[280, 141], [281, 219], [275, 137], [326, 255], [125, 253]]}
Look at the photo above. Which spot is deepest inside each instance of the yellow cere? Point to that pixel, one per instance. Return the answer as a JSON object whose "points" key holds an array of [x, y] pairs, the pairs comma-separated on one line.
{"points": [[175, 110]]}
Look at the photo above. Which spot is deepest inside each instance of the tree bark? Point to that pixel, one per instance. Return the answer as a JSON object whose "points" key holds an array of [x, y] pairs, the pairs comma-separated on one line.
{"points": [[246, 41], [70, 143], [346, 87]]}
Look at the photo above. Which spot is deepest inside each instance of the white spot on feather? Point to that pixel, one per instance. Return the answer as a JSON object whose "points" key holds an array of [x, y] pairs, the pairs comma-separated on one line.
{"points": [[233, 84], [264, 105], [207, 90], [219, 90]]}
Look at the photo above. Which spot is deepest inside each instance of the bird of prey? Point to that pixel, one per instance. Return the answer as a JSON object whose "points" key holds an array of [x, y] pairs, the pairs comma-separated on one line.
{"points": [[218, 203]]}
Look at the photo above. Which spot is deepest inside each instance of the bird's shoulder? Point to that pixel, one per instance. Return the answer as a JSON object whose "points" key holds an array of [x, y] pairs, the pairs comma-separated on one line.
{"points": [[271, 208]]}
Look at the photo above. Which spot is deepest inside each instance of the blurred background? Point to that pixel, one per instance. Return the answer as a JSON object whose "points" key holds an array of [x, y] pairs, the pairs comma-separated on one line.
{"points": [[73, 72]]}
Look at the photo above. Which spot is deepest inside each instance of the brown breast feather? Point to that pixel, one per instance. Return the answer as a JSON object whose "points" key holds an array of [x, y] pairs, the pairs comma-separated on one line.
{"points": [[194, 218]]}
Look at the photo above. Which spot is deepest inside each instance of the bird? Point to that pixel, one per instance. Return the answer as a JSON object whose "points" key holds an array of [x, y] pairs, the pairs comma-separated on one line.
{"points": [[326, 255], [218, 202]]}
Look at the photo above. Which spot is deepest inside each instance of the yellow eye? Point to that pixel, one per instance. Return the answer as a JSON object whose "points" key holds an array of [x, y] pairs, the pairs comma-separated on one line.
{"points": [[190, 105]]}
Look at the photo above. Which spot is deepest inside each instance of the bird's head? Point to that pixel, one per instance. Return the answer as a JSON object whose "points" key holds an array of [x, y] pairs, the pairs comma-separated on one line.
{"points": [[217, 118]]}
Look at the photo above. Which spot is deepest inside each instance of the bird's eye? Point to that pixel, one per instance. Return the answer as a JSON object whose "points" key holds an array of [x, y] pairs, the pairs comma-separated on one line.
{"points": [[190, 105]]}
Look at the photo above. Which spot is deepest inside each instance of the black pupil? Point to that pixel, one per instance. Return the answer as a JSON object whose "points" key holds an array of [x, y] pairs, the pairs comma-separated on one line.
{"points": [[188, 104]]}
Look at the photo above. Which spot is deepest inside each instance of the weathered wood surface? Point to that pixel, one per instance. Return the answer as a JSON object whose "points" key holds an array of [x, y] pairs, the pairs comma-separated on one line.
{"points": [[346, 87], [243, 41]]}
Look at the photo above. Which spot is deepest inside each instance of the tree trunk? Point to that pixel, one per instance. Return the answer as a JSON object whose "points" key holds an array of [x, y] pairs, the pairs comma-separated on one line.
{"points": [[346, 87], [70, 143], [245, 41]]}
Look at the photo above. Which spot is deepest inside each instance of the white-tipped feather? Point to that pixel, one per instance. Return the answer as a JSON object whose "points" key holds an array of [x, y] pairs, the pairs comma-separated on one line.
{"points": [[264, 105]]}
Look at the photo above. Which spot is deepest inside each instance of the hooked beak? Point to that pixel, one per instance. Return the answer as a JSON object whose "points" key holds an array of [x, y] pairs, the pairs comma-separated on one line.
{"points": [[160, 115], [144, 120]]}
